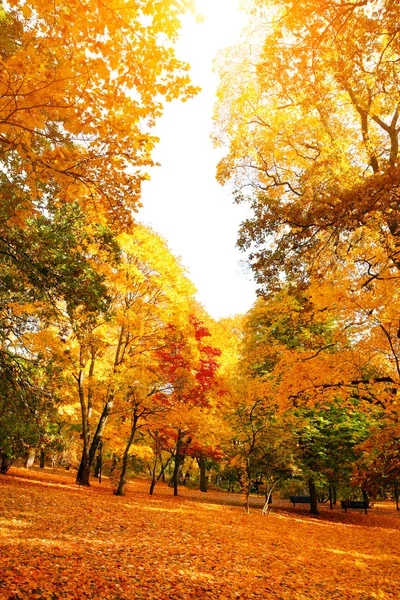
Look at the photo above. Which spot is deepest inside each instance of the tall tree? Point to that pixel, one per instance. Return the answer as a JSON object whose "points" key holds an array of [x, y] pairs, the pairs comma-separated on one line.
{"points": [[309, 107], [189, 367]]}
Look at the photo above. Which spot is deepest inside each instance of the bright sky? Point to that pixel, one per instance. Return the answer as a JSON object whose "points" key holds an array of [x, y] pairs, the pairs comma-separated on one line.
{"points": [[183, 202]]}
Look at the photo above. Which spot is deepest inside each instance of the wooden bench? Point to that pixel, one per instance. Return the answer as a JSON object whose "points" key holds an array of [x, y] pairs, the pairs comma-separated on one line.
{"points": [[355, 504], [300, 500]]}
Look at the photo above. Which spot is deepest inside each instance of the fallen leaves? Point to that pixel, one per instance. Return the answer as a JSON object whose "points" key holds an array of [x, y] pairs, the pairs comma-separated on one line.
{"points": [[60, 541]]}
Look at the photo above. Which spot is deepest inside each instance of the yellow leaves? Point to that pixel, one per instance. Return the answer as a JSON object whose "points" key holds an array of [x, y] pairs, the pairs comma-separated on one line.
{"points": [[65, 94]]}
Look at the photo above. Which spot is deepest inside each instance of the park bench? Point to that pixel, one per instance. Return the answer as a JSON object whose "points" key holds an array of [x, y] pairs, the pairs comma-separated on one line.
{"points": [[300, 500], [355, 504]]}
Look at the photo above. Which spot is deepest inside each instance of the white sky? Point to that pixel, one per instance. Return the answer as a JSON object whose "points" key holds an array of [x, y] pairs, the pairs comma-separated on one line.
{"points": [[183, 202]]}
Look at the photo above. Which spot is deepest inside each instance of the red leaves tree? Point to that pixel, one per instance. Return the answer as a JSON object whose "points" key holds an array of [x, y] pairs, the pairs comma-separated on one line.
{"points": [[190, 367]]}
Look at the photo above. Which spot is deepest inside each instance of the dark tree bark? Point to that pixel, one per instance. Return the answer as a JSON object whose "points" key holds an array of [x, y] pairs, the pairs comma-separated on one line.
{"points": [[41, 459], [365, 497], [87, 461], [163, 466], [161, 475], [5, 463], [175, 476], [396, 495], [313, 498], [120, 489], [178, 464], [203, 475], [82, 476], [89, 453], [97, 466]]}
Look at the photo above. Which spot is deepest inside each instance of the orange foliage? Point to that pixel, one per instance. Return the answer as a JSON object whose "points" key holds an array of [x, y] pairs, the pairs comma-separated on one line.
{"points": [[62, 541], [81, 86]]}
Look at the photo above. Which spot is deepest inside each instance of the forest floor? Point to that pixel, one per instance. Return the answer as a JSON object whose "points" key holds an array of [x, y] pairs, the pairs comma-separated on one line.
{"points": [[61, 541]]}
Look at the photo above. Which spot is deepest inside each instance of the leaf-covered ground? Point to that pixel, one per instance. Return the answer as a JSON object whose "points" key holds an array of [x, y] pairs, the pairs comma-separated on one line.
{"points": [[61, 541]]}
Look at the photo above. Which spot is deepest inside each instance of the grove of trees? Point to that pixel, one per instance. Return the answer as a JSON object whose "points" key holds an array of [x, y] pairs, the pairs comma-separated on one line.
{"points": [[107, 362]]}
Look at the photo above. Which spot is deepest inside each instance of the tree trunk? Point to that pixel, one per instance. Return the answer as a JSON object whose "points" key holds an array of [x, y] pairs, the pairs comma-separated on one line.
{"points": [[268, 496], [330, 498], [178, 465], [175, 476], [82, 476], [5, 463], [249, 481], [313, 498], [30, 458], [203, 477], [42, 459], [94, 445], [97, 466], [100, 428], [396, 495], [247, 499], [161, 474], [120, 489]]}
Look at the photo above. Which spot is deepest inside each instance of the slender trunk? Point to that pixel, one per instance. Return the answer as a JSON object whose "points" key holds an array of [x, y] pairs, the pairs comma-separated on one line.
{"points": [[41, 459], [366, 500], [30, 458], [268, 494], [90, 389], [175, 476], [95, 441], [334, 495], [203, 477], [249, 481], [82, 476], [247, 499], [396, 495], [101, 461], [100, 427], [178, 461], [157, 454], [313, 498], [120, 489], [330, 498], [97, 466], [161, 474], [87, 462]]}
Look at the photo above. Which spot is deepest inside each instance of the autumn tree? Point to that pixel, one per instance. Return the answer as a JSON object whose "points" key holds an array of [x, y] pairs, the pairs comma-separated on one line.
{"points": [[81, 86], [162, 443], [47, 271], [377, 469], [308, 105], [28, 409], [189, 366]]}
